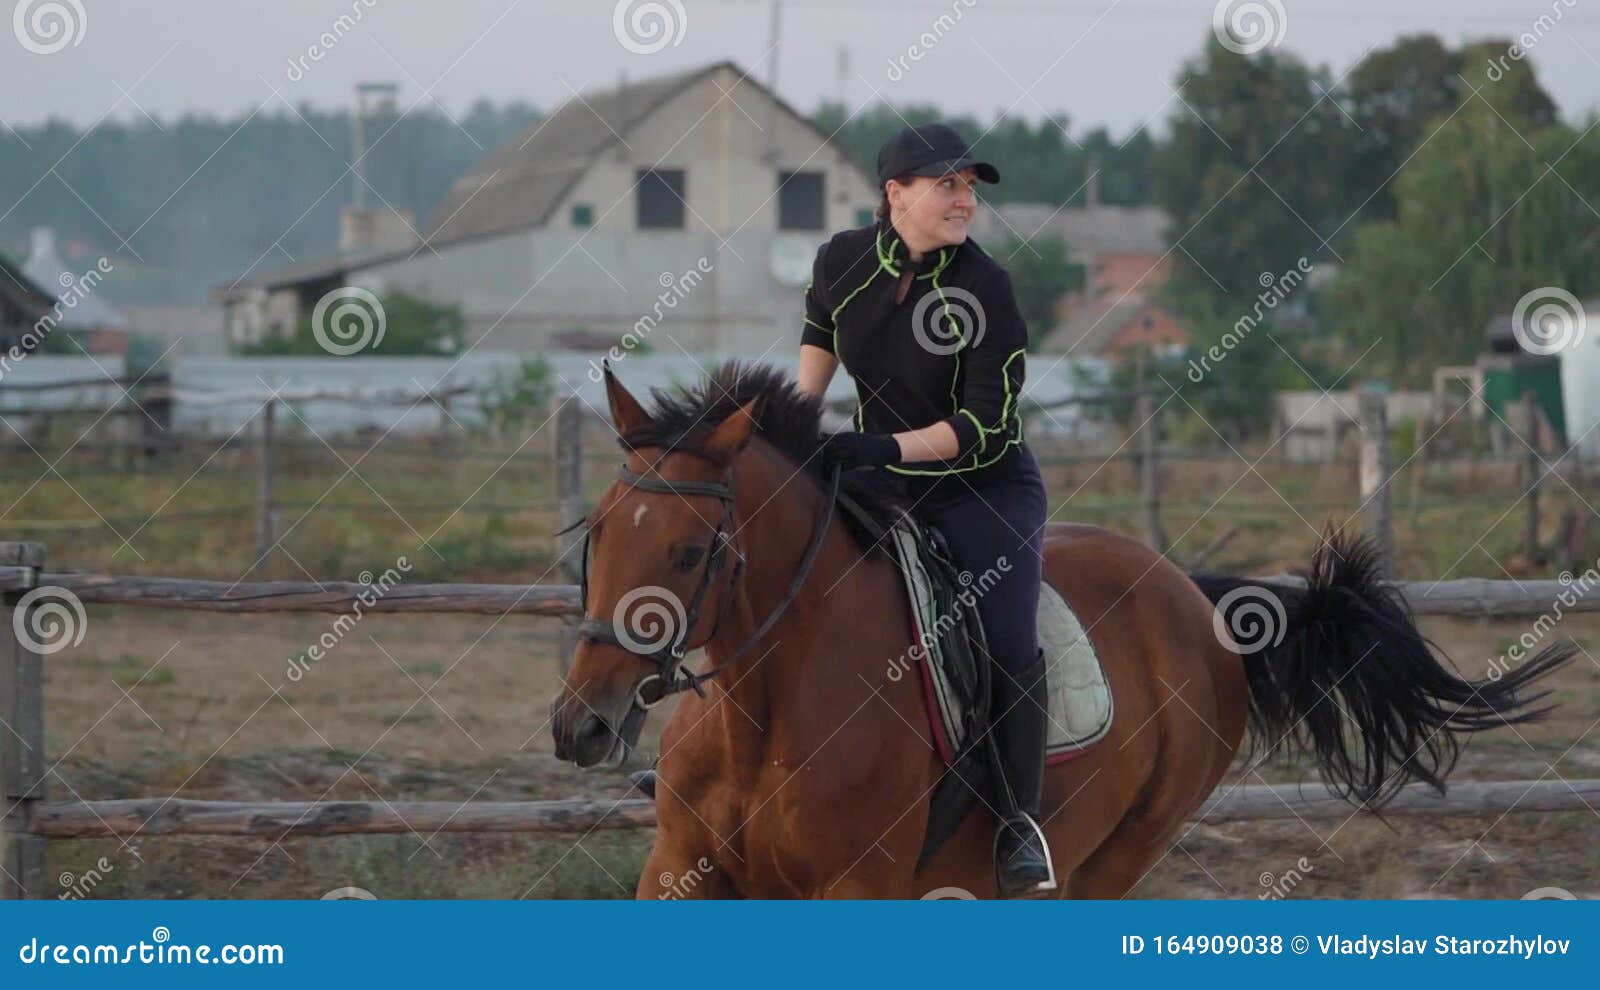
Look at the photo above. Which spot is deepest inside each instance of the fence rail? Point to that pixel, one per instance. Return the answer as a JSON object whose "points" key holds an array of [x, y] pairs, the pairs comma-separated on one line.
{"points": [[277, 820], [1467, 597]]}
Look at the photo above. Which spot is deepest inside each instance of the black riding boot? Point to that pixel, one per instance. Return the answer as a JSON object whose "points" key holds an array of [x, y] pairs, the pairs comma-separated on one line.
{"points": [[1021, 709]]}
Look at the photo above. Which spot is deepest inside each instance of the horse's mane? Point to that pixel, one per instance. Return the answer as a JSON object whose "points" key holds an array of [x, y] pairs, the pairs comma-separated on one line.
{"points": [[682, 419]]}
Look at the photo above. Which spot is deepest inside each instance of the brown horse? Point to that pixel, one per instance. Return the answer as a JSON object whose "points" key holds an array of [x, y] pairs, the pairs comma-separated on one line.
{"points": [[806, 769]]}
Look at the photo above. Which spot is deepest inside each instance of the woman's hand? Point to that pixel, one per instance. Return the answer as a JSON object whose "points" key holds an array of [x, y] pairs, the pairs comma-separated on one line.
{"points": [[847, 451]]}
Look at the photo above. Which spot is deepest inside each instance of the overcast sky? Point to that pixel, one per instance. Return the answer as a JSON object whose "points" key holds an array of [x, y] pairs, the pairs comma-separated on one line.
{"points": [[1098, 61]]}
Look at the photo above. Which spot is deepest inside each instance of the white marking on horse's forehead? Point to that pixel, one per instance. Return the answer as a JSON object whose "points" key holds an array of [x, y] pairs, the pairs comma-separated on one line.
{"points": [[638, 514]]}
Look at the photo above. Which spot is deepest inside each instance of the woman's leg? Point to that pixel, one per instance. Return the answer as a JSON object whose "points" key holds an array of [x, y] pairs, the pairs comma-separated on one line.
{"points": [[995, 531]]}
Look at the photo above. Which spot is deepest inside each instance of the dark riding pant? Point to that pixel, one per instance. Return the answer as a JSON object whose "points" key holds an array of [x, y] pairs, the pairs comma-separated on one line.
{"points": [[993, 520]]}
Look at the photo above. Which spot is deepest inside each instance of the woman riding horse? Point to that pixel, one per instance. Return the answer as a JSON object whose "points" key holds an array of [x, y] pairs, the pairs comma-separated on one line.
{"points": [[927, 325]]}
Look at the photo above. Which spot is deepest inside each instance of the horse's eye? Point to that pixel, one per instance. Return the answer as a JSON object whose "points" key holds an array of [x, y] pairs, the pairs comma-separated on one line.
{"points": [[686, 556]]}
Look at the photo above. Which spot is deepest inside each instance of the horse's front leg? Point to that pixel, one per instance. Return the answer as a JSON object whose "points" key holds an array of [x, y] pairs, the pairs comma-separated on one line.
{"points": [[676, 871]]}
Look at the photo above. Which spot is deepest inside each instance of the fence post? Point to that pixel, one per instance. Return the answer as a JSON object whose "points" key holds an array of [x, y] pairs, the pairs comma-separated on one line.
{"points": [[1376, 472], [1530, 527], [1149, 417], [22, 734], [154, 401], [264, 509], [568, 454]]}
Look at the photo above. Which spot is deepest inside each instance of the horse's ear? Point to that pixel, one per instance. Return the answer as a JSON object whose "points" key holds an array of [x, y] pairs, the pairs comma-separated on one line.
{"points": [[626, 413], [733, 433]]}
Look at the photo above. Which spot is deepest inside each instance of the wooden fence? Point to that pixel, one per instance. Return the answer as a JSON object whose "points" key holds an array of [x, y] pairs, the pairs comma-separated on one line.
{"points": [[30, 820]]}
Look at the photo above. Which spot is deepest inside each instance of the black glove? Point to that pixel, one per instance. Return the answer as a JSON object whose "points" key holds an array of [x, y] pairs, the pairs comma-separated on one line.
{"points": [[847, 451]]}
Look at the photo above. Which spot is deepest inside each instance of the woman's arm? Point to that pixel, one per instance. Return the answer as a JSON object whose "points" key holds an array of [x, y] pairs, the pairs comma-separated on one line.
{"points": [[931, 443], [816, 370]]}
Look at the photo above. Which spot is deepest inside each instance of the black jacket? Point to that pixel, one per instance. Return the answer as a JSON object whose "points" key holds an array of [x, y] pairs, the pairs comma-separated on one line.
{"points": [[953, 350]]}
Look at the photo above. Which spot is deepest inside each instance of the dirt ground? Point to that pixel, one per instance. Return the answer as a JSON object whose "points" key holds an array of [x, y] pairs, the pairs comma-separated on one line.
{"points": [[454, 707]]}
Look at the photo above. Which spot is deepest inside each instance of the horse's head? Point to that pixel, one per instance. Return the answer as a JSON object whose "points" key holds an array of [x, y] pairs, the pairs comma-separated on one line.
{"points": [[662, 568]]}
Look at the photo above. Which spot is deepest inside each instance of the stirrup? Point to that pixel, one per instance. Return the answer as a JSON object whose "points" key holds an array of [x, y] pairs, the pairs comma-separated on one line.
{"points": [[1044, 886]]}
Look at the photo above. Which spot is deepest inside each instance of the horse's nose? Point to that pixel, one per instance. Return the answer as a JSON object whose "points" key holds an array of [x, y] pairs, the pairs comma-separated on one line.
{"points": [[558, 729], [592, 739]]}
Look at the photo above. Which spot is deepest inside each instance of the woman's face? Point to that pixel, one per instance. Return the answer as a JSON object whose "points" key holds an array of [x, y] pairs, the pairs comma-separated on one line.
{"points": [[932, 212]]}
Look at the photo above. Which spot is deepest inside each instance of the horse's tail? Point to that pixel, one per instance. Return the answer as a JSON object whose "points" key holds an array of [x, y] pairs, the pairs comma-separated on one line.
{"points": [[1338, 671]]}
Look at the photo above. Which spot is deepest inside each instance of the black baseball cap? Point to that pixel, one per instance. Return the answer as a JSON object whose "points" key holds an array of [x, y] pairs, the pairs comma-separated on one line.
{"points": [[929, 149]]}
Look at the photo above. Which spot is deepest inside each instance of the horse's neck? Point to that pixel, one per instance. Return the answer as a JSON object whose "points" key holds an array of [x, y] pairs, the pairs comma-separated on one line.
{"points": [[807, 653]]}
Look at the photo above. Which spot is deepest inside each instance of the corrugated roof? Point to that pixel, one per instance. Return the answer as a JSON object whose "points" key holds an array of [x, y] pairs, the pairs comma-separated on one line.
{"points": [[1101, 230], [20, 290], [517, 186], [1087, 334]]}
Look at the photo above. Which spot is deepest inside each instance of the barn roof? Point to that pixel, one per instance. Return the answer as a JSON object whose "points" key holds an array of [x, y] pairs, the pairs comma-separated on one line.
{"points": [[519, 185]]}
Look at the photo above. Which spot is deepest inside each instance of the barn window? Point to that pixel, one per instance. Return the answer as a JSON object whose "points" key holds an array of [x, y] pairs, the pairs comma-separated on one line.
{"points": [[583, 214], [661, 199], [799, 200], [864, 217]]}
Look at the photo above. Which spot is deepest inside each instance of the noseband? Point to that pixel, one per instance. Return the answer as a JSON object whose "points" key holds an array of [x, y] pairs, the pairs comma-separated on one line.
{"points": [[672, 674]]}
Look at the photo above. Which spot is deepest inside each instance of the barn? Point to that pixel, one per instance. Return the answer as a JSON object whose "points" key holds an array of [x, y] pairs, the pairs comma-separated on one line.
{"points": [[691, 202]]}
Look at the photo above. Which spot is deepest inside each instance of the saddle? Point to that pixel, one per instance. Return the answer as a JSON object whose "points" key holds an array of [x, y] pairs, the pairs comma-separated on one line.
{"points": [[950, 656]]}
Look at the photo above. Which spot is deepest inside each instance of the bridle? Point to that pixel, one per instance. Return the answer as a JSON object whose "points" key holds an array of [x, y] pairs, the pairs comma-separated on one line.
{"points": [[672, 674]]}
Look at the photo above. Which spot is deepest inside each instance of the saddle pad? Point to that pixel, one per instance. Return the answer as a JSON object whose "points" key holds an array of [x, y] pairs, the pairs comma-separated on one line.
{"points": [[1080, 698]]}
